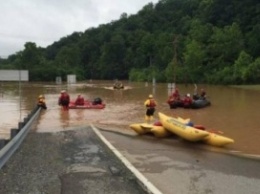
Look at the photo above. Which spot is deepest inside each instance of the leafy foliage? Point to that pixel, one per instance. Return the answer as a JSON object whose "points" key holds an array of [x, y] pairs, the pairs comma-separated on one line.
{"points": [[218, 43]]}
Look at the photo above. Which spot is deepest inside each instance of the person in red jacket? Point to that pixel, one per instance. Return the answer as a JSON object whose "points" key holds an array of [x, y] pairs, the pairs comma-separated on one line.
{"points": [[80, 100], [176, 95], [187, 101], [174, 99], [64, 100]]}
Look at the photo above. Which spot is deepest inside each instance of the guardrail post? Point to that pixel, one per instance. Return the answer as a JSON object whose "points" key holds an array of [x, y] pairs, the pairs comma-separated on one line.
{"points": [[26, 120], [2, 143], [14, 132], [21, 125]]}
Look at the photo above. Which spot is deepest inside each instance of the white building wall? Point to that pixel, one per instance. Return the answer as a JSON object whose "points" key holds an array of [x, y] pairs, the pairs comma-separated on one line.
{"points": [[14, 75], [71, 79]]}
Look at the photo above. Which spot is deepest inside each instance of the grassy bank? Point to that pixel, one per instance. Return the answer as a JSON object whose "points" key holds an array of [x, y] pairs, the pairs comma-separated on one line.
{"points": [[251, 87]]}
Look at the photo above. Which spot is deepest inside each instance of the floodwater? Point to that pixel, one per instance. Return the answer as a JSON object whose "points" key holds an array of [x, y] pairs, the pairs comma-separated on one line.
{"points": [[234, 111]]}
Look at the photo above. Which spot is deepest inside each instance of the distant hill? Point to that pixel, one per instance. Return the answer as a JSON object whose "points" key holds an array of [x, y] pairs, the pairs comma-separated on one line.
{"points": [[186, 41]]}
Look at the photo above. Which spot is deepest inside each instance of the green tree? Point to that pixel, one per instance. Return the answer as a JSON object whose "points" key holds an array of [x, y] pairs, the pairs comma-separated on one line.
{"points": [[193, 60], [241, 67]]}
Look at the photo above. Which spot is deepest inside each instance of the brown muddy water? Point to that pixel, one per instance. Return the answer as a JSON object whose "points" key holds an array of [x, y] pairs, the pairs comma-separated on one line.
{"points": [[234, 111]]}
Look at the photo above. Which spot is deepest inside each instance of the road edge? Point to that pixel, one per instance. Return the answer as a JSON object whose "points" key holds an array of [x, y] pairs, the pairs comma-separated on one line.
{"points": [[142, 180]]}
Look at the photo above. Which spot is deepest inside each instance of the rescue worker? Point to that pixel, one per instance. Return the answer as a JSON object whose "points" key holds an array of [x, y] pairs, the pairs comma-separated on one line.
{"points": [[174, 99], [176, 95], [41, 102], [187, 101], [79, 101], [150, 105], [64, 100], [202, 94]]}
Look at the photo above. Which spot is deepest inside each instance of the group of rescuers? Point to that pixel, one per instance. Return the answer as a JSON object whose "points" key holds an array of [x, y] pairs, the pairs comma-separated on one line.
{"points": [[150, 103], [64, 100]]}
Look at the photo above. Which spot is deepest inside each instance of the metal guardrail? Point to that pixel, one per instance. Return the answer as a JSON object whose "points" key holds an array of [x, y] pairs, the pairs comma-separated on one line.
{"points": [[16, 139]]}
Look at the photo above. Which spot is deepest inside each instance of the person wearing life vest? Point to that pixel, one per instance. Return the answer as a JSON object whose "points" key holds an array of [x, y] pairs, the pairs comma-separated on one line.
{"points": [[187, 101], [175, 96], [41, 102], [64, 100], [202, 94], [150, 105], [79, 101]]}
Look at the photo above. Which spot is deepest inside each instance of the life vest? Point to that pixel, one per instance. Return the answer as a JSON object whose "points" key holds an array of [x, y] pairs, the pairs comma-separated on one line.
{"points": [[64, 99], [151, 103], [79, 101], [187, 101]]}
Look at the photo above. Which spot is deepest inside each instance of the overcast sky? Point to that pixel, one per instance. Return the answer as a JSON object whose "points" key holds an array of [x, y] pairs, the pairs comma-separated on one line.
{"points": [[46, 21]]}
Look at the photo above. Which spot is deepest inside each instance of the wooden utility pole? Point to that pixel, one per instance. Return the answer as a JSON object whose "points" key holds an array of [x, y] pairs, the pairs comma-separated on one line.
{"points": [[175, 41]]}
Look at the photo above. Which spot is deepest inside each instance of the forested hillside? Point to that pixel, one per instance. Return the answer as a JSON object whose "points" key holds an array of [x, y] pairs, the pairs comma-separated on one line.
{"points": [[187, 41]]}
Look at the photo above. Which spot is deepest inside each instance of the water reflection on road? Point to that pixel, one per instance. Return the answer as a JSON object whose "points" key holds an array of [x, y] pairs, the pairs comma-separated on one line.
{"points": [[234, 111]]}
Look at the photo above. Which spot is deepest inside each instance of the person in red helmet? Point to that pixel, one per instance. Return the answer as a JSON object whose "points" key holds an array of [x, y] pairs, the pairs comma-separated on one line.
{"points": [[79, 101], [174, 99], [64, 100], [176, 95]]}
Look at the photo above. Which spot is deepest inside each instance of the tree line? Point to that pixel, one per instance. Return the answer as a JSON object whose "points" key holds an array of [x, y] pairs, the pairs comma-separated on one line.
{"points": [[185, 41]]}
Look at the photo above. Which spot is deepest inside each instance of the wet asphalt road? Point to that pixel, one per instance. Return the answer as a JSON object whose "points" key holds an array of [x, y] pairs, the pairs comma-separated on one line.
{"points": [[177, 166], [78, 162], [68, 162]]}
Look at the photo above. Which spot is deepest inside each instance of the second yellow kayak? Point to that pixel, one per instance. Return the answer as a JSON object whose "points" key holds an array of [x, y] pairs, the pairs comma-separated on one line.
{"points": [[179, 128]]}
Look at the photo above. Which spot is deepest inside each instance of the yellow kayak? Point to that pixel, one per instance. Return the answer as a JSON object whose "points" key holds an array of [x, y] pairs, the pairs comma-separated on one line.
{"points": [[160, 131], [144, 128], [179, 128], [157, 131], [184, 121], [213, 138], [138, 129], [217, 140]]}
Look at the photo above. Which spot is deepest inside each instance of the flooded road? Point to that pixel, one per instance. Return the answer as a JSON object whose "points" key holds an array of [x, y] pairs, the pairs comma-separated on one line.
{"points": [[233, 111]]}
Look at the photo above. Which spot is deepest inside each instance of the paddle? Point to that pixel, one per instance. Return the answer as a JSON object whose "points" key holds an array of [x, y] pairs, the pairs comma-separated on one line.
{"points": [[209, 130], [215, 131]]}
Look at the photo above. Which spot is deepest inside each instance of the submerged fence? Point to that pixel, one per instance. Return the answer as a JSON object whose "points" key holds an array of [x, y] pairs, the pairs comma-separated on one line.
{"points": [[8, 147]]}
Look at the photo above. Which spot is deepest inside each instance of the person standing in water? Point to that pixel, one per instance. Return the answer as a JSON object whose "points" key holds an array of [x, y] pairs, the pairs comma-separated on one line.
{"points": [[41, 102], [64, 100], [150, 105]]}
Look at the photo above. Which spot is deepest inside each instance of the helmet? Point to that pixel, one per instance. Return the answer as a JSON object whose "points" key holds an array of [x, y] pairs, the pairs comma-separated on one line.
{"points": [[41, 96], [63, 91], [150, 96]]}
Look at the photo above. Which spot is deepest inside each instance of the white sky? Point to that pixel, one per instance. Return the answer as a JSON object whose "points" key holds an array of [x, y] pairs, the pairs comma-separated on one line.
{"points": [[46, 21]]}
